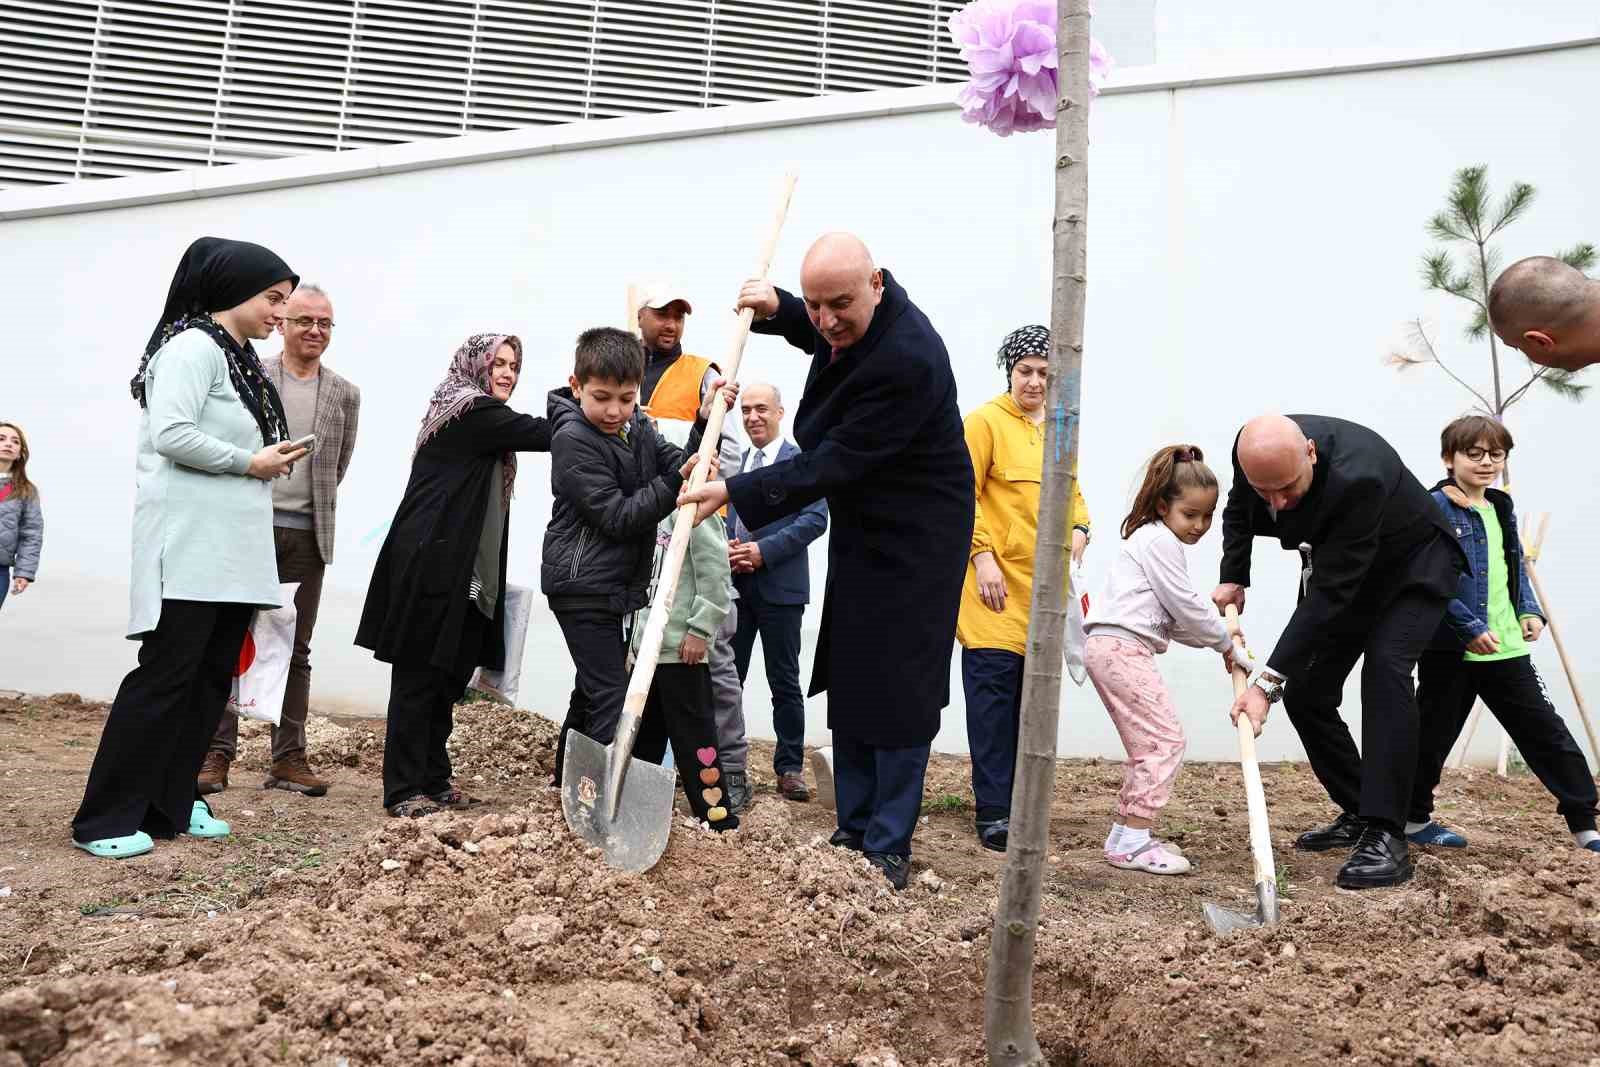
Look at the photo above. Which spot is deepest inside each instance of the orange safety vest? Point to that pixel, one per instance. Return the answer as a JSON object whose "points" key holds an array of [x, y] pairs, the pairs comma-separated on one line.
{"points": [[677, 394]]}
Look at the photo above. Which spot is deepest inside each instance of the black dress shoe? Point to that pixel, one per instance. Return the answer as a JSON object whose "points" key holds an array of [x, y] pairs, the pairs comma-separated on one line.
{"points": [[845, 839], [895, 868], [994, 833], [1343, 832], [1380, 859]]}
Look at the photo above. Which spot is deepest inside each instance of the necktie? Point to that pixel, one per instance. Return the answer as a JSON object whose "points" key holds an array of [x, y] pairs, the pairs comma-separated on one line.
{"points": [[756, 463]]}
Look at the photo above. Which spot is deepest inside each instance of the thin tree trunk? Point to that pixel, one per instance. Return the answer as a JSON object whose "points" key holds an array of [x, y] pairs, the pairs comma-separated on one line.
{"points": [[1008, 1007], [1494, 349]]}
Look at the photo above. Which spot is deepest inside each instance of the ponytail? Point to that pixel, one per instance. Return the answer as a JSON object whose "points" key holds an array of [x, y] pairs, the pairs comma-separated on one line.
{"points": [[1170, 472]]}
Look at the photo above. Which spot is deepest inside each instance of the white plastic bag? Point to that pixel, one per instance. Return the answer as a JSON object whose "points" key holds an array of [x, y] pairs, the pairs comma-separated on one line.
{"points": [[503, 683], [262, 672], [1072, 647]]}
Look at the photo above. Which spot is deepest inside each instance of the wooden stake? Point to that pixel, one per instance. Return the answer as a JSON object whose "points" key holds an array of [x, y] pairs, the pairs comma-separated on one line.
{"points": [[1472, 728], [1529, 561]]}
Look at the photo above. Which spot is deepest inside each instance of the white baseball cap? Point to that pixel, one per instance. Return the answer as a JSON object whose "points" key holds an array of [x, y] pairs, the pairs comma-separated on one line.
{"points": [[658, 294]]}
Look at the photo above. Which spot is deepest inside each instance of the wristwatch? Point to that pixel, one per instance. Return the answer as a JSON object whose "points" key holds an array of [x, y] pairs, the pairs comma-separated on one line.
{"points": [[1271, 685]]}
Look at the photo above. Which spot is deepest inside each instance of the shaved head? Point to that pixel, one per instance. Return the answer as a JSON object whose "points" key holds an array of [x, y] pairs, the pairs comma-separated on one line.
{"points": [[841, 286], [1548, 310], [837, 252], [1278, 460]]}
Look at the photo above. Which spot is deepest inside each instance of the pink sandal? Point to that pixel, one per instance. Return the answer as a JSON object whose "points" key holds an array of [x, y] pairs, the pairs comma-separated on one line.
{"points": [[1153, 858]]}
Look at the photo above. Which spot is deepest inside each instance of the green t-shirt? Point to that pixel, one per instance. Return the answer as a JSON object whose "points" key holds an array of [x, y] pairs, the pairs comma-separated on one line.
{"points": [[1502, 620]]}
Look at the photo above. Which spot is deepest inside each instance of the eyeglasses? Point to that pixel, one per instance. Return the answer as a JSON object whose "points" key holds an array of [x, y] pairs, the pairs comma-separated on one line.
{"points": [[1497, 455], [305, 323]]}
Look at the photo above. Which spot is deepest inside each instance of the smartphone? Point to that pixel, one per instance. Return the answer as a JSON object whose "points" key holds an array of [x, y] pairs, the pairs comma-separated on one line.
{"points": [[308, 442]]}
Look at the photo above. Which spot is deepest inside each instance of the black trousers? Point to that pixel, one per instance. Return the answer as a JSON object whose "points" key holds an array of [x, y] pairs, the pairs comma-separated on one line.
{"points": [[1389, 638], [778, 626], [679, 711], [422, 700], [166, 710], [1515, 694], [594, 640]]}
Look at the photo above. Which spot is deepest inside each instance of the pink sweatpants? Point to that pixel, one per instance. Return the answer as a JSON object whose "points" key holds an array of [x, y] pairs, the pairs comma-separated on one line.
{"points": [[1124, 674]]}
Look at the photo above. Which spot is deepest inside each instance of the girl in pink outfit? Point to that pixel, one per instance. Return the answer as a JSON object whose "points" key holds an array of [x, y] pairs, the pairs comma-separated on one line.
{"points": [[1149, 601]]}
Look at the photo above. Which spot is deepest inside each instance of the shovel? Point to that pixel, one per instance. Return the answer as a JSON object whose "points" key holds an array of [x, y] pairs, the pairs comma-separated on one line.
{"points": [[822, 771], [619, 804], [1225, 920]]}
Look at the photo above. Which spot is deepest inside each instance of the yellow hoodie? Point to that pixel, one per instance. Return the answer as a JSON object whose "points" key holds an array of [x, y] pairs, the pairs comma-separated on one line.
{"points": [[1007, 461]]}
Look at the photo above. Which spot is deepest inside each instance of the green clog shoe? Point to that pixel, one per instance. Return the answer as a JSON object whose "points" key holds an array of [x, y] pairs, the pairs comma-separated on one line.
{"points": [[117, 848], [203, 824]]}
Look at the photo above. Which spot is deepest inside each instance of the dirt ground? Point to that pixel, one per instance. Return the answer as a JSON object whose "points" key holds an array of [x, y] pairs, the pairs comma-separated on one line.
{"points": [[322, 932]]}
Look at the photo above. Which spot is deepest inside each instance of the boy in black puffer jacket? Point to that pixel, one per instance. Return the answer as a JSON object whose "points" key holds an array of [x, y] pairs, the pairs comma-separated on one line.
{"points": [[614, 478]]}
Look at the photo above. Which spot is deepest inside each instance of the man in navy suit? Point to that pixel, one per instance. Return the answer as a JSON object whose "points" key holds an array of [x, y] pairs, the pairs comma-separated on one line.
{"points": [[772, 575]]}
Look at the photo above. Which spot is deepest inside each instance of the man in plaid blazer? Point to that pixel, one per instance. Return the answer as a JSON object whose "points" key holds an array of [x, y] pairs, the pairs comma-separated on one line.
{"points": [[316, 400]]}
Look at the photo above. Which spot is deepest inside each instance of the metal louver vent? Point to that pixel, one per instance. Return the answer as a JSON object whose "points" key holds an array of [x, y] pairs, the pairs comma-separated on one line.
{"points": [[103, 88]]}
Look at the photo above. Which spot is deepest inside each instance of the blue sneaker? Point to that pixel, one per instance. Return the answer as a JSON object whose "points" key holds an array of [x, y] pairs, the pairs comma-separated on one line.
{"points": [[1593, 846], [1438, 836]]}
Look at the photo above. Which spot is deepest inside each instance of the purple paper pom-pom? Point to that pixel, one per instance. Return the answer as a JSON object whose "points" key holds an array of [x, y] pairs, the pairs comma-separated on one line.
{"points": [[1010, 48]]}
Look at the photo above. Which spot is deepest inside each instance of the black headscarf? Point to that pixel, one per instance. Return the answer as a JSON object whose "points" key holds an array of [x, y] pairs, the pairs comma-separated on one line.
{"points": [[216, 274], [1021, 343]]}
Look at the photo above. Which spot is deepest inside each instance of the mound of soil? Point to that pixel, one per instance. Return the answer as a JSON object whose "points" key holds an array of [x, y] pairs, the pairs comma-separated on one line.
{"points": [[501, 939]]}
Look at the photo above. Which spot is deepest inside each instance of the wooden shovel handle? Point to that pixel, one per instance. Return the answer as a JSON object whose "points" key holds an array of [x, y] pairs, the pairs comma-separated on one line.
{"points": [[1254, 796], [644, 665]]}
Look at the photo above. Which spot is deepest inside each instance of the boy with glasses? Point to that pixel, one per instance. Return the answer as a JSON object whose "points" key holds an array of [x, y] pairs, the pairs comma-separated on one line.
{"points": [[1482, 649]]}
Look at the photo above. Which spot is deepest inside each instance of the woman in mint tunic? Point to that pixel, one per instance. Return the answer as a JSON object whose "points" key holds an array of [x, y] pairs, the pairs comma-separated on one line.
{"points": [[212, 436]]}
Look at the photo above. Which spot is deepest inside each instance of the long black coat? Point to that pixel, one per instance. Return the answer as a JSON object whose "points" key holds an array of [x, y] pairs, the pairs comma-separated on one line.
{"points": [[1373, 531], [882, 440], [417, 601]]}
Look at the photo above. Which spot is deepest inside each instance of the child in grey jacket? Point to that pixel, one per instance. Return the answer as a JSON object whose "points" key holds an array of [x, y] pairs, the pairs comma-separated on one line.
{"points": [[679, 708], [21, 519]]}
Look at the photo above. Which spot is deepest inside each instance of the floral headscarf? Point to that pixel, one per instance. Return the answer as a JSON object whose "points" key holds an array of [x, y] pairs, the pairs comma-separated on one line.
{"points": [[464, 384]]}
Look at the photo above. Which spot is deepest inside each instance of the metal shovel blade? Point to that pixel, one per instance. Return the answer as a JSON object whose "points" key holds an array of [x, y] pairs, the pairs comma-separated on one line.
{"points": [[1225, 920], [634, 838], [822, 771]]}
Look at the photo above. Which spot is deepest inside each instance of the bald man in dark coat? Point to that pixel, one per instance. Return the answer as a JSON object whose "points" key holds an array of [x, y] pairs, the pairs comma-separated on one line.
{"points": [[882, 443]]}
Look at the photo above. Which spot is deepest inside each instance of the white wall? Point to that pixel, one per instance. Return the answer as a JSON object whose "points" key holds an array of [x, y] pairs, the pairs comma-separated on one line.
{"points": [[1253, 246], [1213, 31], [1210, 32]]}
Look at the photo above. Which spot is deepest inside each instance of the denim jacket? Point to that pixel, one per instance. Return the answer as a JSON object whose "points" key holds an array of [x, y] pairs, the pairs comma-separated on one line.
{"points": [[1467, 616]]}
